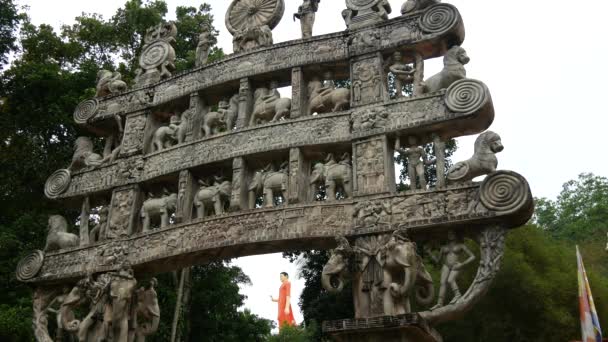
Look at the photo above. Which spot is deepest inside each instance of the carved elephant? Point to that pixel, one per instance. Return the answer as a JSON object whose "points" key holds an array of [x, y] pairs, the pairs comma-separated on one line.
{"points": [[158, 207], [164, 137], [215, 197], [269, 183], [335, 177], [404, 272], [214, 122]]}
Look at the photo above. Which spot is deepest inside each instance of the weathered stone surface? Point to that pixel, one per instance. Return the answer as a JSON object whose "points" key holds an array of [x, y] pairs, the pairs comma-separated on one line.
{"points": [[301, 225]]}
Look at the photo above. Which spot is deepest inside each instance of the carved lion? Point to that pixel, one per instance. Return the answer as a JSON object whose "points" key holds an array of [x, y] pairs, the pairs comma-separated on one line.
{"points": [[482, 162], [58, 236], [109, 83]]}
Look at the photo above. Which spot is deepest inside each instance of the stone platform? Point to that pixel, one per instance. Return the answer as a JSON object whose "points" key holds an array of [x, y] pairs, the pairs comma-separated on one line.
{"points": [[402, 328]]}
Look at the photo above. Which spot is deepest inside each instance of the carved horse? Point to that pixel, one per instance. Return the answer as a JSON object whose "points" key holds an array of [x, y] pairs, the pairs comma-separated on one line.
{"points": [[324, 100], [268, 183], [482, 162], [269, 106], [453, 70]]}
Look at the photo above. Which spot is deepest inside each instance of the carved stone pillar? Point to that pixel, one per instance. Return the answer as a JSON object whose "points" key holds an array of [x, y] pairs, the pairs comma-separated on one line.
{"points": [[245, 103], [368, 80], [124, 210], [299, 106], [418, 75], [133, 140], [298, 176], [373, 168], [439, 147], [239, 198], [185, 195], [84, 222]]}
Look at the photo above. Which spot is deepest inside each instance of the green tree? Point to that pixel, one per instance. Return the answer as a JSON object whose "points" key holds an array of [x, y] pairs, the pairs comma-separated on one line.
{"points": [[9, 20]]}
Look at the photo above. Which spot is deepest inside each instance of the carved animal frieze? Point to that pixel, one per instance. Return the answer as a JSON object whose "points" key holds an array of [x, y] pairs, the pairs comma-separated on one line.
{"points": [[160, 208], [334, 176], [268, 106], [269, 184], [325, 98], [212, 198]]}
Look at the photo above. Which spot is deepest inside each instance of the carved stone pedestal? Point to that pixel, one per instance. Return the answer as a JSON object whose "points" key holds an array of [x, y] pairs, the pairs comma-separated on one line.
{"points": [[402, 328]]}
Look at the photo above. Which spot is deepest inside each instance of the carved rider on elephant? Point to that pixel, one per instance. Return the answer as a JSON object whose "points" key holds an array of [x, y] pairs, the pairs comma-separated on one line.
{"points": [[335, 177]]}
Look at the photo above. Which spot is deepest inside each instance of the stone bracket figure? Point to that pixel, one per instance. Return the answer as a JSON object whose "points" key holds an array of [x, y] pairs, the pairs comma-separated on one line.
{"points": [[449, 258], [336, 177], [58, 236], [403, 72], [417, 159], [306, 15], [161, 208]]}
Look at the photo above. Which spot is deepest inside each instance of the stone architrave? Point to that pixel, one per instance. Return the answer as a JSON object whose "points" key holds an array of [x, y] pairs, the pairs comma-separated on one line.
{"points": [[373, 169], [124, 209], [367, 80]]}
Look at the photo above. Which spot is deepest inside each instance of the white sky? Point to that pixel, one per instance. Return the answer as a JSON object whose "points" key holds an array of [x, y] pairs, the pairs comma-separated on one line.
{"points": [[543, 62]]}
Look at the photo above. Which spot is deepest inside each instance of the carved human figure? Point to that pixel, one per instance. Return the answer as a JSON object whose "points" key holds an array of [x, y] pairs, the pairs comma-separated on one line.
{"points": [[453, 70], [404, 271], [417, 160], [212, 198], [98, 233], [306, 15], [376, 11], [55, 308], [269, 183], [161, 208], [404, 73], [58, 236], [268, 105], [324, 97], [232, 111], [449, 257], [205, 40], [482, 162], [109, 83], [147, 311], [336, 177], [121, 290]]}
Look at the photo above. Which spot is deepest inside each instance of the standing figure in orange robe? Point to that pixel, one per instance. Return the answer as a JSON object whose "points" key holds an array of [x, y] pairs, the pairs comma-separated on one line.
{"points": [[285, 313]]}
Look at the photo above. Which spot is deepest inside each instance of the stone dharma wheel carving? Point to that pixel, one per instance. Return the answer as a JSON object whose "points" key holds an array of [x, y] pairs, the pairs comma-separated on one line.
{"points": [[29, 266], [154, 55], [244, 14]]}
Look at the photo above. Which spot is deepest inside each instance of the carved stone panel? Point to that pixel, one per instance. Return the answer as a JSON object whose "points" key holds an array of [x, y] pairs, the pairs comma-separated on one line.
{"points": [[123, 212], [373, 169], [368, 80], [245, 103], [298, 172], [133, 140], [298, 93], [239, 185], [185, 194]]}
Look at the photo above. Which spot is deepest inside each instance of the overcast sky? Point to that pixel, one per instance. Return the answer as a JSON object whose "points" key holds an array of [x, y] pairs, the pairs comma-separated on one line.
{"points": [[544, 62]]}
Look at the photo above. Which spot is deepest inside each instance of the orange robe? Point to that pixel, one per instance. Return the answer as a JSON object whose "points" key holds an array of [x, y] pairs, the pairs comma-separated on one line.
{"points": [[284, 292]]}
